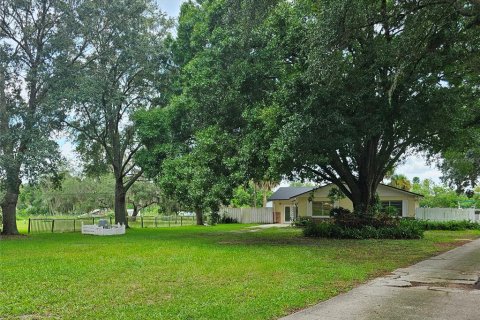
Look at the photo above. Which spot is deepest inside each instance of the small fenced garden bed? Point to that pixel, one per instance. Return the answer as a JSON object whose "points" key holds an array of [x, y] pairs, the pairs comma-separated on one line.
{"points": [[103, 231]]}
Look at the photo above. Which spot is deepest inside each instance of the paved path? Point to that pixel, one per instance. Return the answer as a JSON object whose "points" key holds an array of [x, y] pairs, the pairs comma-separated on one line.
{"points": [[444, 287]]}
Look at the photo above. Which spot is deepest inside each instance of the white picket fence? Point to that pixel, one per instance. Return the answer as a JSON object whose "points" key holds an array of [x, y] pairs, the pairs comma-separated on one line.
{"points": [[101, 231], [249, 215], [446, 214]]}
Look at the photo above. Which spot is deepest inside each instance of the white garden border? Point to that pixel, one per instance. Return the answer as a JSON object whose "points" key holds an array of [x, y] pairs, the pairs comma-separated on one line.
{"points": [[100, 231]]}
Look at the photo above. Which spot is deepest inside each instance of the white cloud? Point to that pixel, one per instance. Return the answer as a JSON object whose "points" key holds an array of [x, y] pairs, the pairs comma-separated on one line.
{"points": [[416, 166]]}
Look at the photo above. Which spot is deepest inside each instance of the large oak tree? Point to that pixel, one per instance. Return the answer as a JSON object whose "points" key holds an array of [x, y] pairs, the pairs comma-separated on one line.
{"points": [[381, 78], [196, 140], [336, 91], [118, 75], [35, 48]]}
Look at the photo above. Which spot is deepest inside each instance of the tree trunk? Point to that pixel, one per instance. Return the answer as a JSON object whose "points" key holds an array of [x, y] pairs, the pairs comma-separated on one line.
{"points": [[9, 202], [135, 210], [364, 200], [264, 202], [199, 215], [9, 211], [120, 203]]}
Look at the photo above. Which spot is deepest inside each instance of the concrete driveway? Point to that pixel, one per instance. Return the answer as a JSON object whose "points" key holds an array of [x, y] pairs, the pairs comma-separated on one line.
{"points": [[443, 287]]}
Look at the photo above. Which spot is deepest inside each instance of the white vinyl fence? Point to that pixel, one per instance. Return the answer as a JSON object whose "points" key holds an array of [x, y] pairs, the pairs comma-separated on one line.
{"points": [[249, 215], [101, 231], [446, 214]]}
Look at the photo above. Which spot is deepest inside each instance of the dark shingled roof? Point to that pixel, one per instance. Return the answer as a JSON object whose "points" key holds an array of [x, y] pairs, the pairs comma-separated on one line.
{"points": [[285, 193]]}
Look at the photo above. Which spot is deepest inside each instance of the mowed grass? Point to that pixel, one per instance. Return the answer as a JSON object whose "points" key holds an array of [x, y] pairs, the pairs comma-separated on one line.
{"points": [[221, 272]]}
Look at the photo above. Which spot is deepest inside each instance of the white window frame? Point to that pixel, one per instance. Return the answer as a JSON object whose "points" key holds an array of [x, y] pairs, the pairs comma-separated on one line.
{"points": [[404, 207], [311, 208]]}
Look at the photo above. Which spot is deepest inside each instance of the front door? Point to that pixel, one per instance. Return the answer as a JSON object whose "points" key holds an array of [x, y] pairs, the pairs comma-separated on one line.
{"points": [[288, 214]]}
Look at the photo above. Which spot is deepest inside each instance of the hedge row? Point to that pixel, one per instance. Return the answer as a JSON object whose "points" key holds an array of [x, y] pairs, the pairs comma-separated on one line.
{"points": [[449, 225], [406, 229]]}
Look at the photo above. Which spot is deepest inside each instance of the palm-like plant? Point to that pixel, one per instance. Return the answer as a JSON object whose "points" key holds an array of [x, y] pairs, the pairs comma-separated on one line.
{"points": [[400, 181], [266, 185]]}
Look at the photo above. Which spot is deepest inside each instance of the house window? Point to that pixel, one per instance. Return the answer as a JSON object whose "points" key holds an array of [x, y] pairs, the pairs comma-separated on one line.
{"points": [[321, 208], [395, 204]]}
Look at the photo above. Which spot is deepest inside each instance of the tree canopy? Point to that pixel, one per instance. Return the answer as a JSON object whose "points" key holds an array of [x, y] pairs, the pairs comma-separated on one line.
{"points": [[381, 78], [245, 92], [196, 141], [118, 75], [36, 47], [334, 91]]}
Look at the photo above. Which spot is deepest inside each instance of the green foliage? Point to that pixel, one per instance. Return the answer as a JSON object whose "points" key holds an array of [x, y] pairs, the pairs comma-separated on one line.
{"points": [[215, 84], [321, 91], [76, 195], [251, 90], [438, 196], [118, 75], [354, 97], [202, 178], [400, 181], [227, 220], [37, 43], [449, 225], [302, 222], [405, 229], [213, 218], [145, 193], [347, 219], [461, 166], [80, 195], [391, 211], [335, 194], [247, 196]]}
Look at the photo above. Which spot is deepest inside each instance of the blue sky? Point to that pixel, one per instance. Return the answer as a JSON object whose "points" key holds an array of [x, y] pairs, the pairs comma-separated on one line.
{"points": [[414, 166], [171, 7]]}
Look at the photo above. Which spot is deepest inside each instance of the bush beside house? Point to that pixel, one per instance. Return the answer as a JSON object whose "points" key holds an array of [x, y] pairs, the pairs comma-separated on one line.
{"points": [[406, 229], [347, 225]]}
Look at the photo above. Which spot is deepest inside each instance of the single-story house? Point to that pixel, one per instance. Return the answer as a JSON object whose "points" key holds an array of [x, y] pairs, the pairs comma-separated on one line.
{"points": [[291, 202]]}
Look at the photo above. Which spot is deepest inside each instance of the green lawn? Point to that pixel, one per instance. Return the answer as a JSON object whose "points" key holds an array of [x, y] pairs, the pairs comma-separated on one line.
{"points": [[220, 272]]}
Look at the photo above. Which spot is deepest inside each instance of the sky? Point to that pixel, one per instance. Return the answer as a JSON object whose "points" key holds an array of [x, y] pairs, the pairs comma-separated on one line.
{"points": [[414, 166], [171, 7]]}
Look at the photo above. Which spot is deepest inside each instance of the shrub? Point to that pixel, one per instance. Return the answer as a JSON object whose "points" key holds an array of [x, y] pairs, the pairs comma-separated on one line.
{"points": [[227, 220], [391, 211], [345, 218], [302, 221], [449, 225], [405, 229], [30, 211], [322, 229], [213, 218]]}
